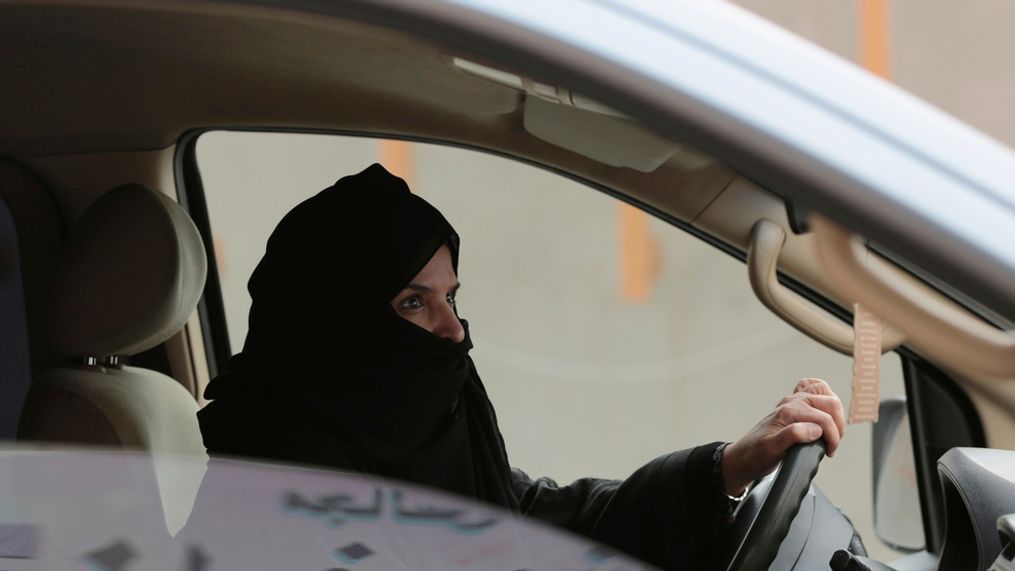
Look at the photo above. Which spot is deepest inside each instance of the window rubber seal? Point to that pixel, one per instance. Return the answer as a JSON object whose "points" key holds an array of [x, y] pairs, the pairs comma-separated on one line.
{"points": [[211, 307]]}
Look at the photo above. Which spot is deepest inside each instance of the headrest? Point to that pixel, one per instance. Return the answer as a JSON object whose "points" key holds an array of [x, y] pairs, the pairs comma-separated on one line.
{"points": [[132, 273]]}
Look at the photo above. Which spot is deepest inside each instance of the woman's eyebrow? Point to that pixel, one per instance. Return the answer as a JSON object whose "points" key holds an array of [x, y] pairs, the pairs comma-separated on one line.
{"points": [[427, 289]]}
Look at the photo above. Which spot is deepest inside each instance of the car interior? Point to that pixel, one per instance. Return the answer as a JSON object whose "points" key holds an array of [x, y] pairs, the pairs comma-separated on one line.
{"points": [[109, 285]]}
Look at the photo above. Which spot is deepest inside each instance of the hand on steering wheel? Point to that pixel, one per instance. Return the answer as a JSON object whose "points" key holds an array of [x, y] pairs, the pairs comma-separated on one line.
{"points": [[761, 538], [813, 411], [798, 433]]}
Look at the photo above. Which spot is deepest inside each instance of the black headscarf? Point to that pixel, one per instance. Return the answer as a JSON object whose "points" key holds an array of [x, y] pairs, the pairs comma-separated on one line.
{"points": [[330, 374]]}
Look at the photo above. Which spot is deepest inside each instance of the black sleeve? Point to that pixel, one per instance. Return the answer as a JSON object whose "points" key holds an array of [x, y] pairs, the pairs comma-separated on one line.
{"points": [[668, 513]]}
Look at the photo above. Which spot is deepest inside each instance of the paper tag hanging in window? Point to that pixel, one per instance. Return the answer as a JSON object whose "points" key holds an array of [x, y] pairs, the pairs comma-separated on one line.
{"points": [[863, 406]]}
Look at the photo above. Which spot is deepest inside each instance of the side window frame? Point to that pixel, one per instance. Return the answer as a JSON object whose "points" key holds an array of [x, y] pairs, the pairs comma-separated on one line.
{"points": [[211, 308]]}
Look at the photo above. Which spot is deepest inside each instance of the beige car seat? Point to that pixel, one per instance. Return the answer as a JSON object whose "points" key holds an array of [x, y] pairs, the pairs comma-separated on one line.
{"points": [[132, 273]]}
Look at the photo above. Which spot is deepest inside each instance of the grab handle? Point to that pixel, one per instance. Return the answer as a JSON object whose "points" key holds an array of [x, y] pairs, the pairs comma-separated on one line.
{"points": [[932, 322], [767, 239]]}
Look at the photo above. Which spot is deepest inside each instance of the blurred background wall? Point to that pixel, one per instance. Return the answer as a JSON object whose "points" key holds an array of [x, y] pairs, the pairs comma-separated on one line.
{"points": [[955, 55], [605, 337]]}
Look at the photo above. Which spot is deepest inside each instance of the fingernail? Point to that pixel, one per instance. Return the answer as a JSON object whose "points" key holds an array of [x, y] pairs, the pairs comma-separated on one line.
{"points": [[814, 431]]}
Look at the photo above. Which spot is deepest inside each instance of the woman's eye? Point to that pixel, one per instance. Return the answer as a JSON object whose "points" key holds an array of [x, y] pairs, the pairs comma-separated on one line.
{"points": [[451, 298], [412, 303]]}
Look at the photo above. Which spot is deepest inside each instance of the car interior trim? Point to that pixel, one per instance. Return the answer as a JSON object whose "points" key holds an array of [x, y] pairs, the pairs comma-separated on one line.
{"points": [[941, 416], [767, 239], [933, 322], [211, 308]]}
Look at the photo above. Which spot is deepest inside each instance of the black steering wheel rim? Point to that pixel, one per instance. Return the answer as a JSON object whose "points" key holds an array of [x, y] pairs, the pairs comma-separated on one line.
{"points": [[760, 543]]}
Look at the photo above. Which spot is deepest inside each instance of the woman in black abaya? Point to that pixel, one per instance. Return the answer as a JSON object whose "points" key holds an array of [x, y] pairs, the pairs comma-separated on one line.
{"points": [[356, 359]]}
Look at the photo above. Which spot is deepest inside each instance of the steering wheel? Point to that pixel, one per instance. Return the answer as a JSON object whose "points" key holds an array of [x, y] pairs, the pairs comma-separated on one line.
{"points": [[761, 538]]}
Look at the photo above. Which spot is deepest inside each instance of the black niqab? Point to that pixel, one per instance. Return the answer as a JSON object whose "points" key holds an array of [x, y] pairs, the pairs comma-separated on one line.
{"points": [[330, 375]]}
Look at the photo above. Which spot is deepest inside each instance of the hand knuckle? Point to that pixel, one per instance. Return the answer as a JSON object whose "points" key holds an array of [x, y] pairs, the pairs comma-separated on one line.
{"points": [[827, 420], [800, 432]]}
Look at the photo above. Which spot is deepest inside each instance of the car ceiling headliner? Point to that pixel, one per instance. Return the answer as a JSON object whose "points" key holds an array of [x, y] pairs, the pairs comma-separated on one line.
{"points": [[80, 78], [84, 77]]}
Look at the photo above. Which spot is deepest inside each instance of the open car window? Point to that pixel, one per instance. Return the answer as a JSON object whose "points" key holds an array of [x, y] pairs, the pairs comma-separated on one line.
{"points": [[605, 337]]}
